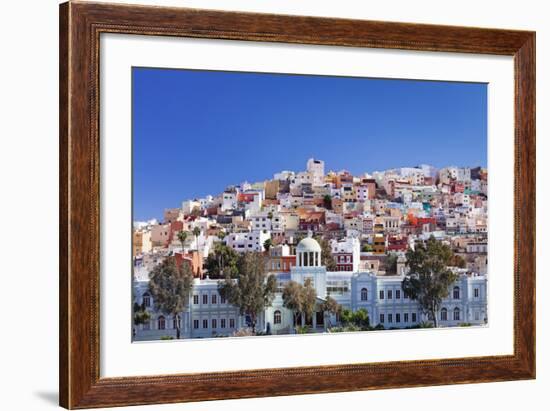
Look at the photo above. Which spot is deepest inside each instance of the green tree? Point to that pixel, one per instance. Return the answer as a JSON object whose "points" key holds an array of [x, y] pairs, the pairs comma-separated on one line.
{"points": [[458, 261], [346, 317], [222, 262], [292, 299], [182, 237], [391, 264], [326, 254], [300, 299], [367, 248], [141, 315], [267, 244], [430, 278], [252, 290], [170, 287], [330, 306], [309, 298], [361, 319], [197, 233], [327, 202]]}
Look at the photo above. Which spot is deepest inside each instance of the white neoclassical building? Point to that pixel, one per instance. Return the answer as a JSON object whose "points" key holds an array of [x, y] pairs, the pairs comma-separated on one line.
{"points": [[208, 315]]}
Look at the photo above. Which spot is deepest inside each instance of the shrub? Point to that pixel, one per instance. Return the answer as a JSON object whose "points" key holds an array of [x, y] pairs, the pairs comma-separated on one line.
{"points": [[302, 329], [243, 332]]}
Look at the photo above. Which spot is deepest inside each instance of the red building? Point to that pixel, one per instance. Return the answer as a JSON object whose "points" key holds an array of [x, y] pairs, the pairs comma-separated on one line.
{"points": [[312, 220], [397, 244]]}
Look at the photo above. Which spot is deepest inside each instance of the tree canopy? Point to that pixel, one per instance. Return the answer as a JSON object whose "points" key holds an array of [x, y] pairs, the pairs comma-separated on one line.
{"points": [[252, 290], [430, 278], [170, 286], [182, 237], [222, 262], [300, 299], [330, 306], [326, 254]]}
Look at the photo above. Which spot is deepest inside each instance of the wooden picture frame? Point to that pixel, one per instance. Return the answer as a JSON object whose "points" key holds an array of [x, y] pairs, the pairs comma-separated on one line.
{"points": [[80, 27]]}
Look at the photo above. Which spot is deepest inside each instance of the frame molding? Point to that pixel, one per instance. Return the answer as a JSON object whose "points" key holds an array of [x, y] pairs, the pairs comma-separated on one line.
{"points": [[81, 24]]}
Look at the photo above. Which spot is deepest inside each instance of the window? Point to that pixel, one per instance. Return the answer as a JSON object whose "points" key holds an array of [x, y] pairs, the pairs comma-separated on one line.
{"points": [[390, 318], [214, 323], [406, 317], [195, 299], [381, 294], [443, 314], [147, 325], [222, 323], [204, 323], [456, 293], [382, 318], [413, 317], [214, 299], [397, 318], [277, 317], [205, 298], [456, 314], [146, 300], [195, 324], [397, 294], [364, 294], [161, 323], [390, 294], [177, 321], [231, 323], [476, 316], [222, 299], [476, 292], [405, 295]]}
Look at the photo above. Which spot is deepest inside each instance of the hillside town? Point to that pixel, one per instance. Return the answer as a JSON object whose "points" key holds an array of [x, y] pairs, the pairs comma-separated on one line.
{"points": [[345, 236]]}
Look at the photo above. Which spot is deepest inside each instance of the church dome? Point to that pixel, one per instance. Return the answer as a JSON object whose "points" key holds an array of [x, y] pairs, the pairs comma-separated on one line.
{"points": [[308, 244]]}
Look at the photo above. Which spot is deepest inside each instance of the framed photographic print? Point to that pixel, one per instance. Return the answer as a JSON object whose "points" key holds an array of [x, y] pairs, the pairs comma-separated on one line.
{"points": [[260, 205]]}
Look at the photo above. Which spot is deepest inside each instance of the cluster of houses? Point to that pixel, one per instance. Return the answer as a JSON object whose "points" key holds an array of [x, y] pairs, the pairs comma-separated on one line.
{"points": [[369, 222]]}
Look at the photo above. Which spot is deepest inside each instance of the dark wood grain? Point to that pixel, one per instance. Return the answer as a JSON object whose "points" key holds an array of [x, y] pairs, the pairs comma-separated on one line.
{"points": [[80, 27]]}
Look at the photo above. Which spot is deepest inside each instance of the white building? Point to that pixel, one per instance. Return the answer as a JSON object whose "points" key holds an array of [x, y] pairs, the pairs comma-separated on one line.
{"points": [[317, 170], [188, 206], [229, 200], [260, 221], [209, 315], [283, 175], [249, 241]]}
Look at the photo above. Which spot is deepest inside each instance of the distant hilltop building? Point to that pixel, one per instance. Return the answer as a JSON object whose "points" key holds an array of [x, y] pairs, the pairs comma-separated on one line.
{"points": [[317, 169]]}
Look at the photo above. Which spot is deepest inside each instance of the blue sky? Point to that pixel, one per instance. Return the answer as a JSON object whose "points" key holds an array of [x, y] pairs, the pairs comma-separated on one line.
{"points": [[196, 132]]}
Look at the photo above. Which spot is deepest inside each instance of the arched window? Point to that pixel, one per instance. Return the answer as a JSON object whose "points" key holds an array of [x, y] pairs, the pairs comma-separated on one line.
{"points": [[364, 294], [277, 317], [161, 323], [456, 293], [146, 300], [456, 314], [177, 321], [443, 314]]}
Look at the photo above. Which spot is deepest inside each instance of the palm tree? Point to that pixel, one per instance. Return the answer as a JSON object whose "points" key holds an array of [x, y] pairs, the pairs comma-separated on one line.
{"points": [[196, 233], [182, 236]]}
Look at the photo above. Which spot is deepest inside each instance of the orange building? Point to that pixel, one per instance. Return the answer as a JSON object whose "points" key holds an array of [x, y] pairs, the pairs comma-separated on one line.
{"points": [[194, 259]]}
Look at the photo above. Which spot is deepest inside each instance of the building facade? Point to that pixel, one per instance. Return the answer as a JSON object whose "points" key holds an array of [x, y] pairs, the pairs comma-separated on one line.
{"points": [[209, 315]]}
